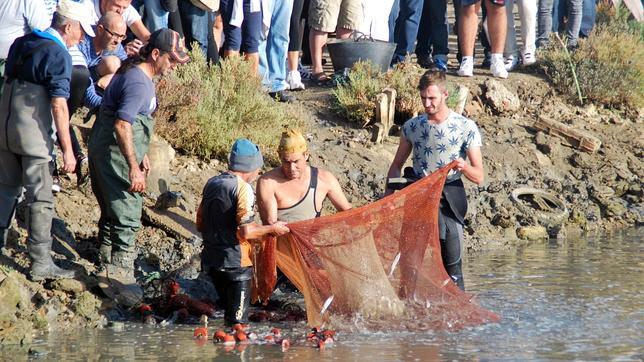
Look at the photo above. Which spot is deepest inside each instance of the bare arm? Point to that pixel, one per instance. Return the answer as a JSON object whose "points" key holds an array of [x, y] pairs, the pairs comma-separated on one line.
{"points": [[60, 114], [335, 193], [199, 221], [254, 231], [141, 32], [474, 170], [404, 150], [266, 201], [123, 130]]}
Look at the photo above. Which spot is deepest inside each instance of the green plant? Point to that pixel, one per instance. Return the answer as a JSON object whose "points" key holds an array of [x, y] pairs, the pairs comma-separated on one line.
{"points": [[354, 99], [404, 79], [203, 109], [609, 65]]}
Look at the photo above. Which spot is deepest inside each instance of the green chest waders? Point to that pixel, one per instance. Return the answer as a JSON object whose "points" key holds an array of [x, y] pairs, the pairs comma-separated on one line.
{"points": [[120, 209]]}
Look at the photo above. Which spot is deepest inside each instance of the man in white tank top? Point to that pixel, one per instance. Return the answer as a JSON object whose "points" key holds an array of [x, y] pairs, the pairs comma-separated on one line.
{"points": [[295, 191]]}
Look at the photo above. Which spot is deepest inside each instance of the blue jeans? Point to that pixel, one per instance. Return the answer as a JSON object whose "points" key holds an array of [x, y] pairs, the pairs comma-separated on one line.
{"points": [[273, 49], [433, 29], [588, 12], [549, 15], [155, 15], [406, 28], [195, 25], [393, 15]]}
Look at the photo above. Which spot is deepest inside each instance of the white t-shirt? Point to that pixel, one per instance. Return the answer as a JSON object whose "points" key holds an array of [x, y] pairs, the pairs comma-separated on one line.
{"points": [[20, 17], [130, 15]]}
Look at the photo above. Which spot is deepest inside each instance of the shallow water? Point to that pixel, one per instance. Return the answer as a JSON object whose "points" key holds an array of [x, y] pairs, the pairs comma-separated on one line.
{"points": [[578, 299]]}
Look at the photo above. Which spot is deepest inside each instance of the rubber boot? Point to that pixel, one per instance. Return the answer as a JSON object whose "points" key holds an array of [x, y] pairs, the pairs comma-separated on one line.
{"points": [[105, 254], [119, 282], [42, 266]]}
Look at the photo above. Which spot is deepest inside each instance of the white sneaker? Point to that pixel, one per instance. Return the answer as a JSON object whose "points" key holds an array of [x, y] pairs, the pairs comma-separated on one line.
{"points": [[529, 58], [511, 62], [467, 68], [498, 68], [294, 80]]}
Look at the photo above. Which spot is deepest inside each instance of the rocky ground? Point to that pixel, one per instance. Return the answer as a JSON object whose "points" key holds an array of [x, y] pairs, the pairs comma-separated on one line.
{"points": [[601, 191]]}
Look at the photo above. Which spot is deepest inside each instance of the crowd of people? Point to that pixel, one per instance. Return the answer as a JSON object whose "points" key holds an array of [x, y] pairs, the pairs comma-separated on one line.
{"points": [[59, 55]]}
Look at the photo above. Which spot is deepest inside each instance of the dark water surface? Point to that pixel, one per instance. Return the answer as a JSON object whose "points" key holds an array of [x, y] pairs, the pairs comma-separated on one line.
{"points": [[577, 299]]}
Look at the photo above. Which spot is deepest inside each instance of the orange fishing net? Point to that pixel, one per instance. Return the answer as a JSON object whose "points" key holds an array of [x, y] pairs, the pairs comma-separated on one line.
{"points": [[380, 263]]}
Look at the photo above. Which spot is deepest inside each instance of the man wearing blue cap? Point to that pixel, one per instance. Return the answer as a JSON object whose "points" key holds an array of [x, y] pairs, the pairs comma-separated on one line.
{"points": [[225, 219]]}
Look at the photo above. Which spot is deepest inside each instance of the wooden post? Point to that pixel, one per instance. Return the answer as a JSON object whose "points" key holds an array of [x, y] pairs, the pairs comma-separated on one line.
{"points": [[385, 112], [463, 95], [569, 136]]}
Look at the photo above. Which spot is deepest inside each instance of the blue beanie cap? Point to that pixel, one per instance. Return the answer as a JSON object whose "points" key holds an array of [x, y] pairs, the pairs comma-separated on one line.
{"points": [[245, 156]]}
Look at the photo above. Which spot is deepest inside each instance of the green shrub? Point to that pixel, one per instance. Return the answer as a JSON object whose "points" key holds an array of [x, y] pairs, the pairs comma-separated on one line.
{"points": [[355, 99], [203, 109], [609, 65], [404, 79]]}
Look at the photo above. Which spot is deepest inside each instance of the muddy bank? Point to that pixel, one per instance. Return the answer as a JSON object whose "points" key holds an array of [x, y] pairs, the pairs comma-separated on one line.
{"points": [[600, 191]]}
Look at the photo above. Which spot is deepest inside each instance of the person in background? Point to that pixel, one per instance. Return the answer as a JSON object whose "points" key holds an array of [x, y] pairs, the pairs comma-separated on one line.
{"points": [[406, 28], [432, 35], [242, 29], [273, 48], [467, 28], [327, 16], [103, 55], [528, 16]]}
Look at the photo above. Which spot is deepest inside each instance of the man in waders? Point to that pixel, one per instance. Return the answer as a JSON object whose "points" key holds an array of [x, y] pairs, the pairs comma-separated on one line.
{"points": [[225, 219], [35, 93], [435, 139], [118, 162]]}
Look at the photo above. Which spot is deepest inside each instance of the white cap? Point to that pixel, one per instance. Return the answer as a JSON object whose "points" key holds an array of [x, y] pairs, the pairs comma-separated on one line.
{"points": [[75, 10]]}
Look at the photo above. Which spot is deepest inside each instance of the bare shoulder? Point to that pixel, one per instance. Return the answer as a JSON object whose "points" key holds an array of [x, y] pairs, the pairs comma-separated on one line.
{"points": [[326, 176], [270, 177]]}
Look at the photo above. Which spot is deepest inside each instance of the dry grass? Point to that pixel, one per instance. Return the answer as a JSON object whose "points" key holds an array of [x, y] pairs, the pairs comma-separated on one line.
{"points": [[203, 109]]}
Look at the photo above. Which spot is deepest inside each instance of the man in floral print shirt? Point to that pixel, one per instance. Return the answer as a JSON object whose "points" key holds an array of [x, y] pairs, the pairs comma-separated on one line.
{"points": [[435, 139]]}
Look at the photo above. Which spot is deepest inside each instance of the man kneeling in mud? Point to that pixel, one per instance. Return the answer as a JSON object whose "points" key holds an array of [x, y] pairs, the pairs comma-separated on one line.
{"points": [[225, 219]]}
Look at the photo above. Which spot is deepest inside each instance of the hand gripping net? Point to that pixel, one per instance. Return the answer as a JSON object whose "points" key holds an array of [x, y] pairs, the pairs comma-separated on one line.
{"points": [[381, 263]]}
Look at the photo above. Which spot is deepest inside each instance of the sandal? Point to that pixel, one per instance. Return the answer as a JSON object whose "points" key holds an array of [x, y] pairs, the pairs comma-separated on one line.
{"points": [[321, 79]]}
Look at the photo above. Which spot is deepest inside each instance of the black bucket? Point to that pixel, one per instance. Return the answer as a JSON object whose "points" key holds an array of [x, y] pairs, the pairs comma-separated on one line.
{"points": [[345, 53]]}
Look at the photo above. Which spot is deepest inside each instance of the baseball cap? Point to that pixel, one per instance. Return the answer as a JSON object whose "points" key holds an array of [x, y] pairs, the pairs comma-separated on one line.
{"points": [[78, 11], [168, 40]]}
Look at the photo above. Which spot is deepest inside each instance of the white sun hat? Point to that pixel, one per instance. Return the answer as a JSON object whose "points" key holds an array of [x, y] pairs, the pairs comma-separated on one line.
{"points": [[75, 10]]}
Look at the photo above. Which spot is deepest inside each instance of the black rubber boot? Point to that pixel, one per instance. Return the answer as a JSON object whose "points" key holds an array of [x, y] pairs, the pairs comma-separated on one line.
{"points": [[235, 289], [42, 266]]}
